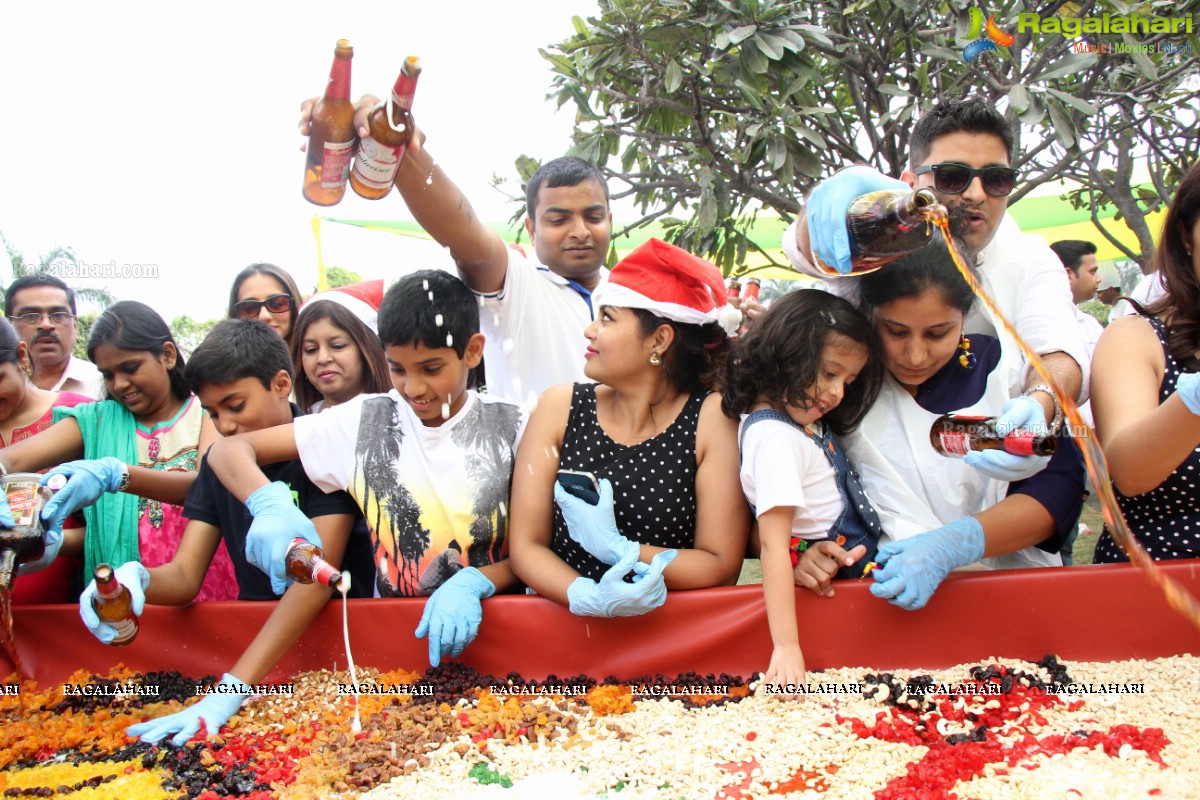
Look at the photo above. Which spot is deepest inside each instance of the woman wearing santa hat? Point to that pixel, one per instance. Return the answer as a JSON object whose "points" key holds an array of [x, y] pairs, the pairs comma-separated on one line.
{"points": [[670, 508]]}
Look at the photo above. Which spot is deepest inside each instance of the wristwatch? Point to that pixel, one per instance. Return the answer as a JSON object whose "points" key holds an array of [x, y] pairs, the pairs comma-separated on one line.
{"points": [[123, 486], [1058, 412]]}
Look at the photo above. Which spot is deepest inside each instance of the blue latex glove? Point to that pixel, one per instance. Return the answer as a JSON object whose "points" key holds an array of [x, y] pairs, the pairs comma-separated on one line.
{"points": [[825, 211], [6, 517], [453, 612], [594, 527], [214, 710], [613, 597], [134, 577], [1188, 387], [1019, 412], [53, 540], [87, 482], [913, 568], [276, 522]]}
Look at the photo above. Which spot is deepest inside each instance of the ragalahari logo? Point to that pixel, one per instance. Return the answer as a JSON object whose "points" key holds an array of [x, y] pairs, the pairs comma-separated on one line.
{"points": [[984, 37]]}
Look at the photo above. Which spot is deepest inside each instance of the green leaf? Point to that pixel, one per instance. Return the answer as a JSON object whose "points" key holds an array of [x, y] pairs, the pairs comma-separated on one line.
{"points": [[674, 76], [740, 34], [937, 51], [754, 60], [808, 163], [1063, 129], [1067, 65], [1140, 60], [561, 64], [816, 33], [1074, 102], [1035, 113], [776, 152], [772, 46], [707, 217], [893, 90], [1018, 98], [581, 27], [795, 41]]}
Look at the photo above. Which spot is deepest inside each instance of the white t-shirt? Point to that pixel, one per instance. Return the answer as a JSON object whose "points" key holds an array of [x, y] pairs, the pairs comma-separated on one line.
{"points": [[80, 377], [435, 499], [783, 467], [1149, 288], [534, 331], [1024, 277], [1090, 329]]}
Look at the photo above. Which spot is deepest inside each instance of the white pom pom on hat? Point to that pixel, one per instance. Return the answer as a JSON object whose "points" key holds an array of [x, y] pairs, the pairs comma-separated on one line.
{"points": [[672, 283]]}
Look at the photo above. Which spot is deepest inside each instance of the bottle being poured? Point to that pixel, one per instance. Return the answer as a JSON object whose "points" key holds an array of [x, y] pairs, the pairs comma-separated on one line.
{"points": [[884, 225]]}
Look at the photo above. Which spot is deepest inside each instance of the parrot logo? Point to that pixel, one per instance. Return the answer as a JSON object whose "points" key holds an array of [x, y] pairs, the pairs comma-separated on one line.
{"points": [[984, 37]]}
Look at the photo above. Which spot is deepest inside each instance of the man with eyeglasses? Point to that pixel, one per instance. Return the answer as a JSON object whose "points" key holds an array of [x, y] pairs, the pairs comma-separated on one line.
{"points": [[42, 310], [961, 149]]}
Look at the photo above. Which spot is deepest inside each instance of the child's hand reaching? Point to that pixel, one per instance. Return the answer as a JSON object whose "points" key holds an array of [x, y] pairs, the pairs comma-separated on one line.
{"points": [[820, 562], [785, 674]]}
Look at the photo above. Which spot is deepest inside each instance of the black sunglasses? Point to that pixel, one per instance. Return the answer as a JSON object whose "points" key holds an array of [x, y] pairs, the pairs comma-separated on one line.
{"points": [[953, 178], [275, 303]]}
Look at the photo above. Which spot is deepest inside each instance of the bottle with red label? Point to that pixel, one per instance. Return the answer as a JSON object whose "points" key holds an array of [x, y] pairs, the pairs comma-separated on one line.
{"points": [[306, 564], [23, 542], [391, 129], [331, 136], [955, 435], [113, 604]]}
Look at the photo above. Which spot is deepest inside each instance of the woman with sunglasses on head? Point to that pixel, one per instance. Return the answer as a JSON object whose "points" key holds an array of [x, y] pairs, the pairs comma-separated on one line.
{"points": [[268, 293], [1146, 396], [962, 149]]}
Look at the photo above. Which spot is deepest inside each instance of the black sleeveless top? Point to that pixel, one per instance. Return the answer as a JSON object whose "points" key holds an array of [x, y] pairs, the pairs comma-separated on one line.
{"points": [[654, 482], [1166, 519]]}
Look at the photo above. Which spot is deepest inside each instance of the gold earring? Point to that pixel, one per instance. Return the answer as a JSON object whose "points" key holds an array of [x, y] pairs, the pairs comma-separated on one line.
{"points": [[655, 359], [966, 358]]}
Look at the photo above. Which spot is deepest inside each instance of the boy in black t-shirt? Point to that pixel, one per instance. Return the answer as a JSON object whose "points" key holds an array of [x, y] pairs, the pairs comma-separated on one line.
{"points": [[242, 374]]}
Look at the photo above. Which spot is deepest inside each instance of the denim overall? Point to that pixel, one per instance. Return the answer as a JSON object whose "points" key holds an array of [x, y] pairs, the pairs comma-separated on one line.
{"points": [[858, 522]]}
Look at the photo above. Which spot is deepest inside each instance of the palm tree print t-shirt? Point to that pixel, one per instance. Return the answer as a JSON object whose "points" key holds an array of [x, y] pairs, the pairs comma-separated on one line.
{"points": [[435, 499]]}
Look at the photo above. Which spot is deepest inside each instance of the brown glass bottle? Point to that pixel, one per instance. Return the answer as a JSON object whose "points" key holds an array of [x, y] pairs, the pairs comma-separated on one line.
{"points": [[24, 541], [390, 130], [885, 225], [113, 604], [955, 435], [306, 564], [331, 134]]}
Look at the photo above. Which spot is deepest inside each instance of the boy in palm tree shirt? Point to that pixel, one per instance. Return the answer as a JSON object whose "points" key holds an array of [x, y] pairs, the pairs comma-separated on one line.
{"points": [[429, 464]]}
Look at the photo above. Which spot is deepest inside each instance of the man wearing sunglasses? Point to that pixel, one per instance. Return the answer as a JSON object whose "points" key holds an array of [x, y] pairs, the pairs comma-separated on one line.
{"points": [[41, 309], [961, 149]]}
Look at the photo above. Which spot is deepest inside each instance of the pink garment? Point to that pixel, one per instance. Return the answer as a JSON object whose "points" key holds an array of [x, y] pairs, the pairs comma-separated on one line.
{"points": [[174, 445]]}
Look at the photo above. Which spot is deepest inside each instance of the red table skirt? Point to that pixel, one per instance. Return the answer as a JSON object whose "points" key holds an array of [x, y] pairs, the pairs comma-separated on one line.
{"points": [[1094, 613]]}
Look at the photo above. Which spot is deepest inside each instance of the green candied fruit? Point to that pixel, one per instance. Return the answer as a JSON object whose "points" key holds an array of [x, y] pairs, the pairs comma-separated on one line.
{"points": [[483, 773]]}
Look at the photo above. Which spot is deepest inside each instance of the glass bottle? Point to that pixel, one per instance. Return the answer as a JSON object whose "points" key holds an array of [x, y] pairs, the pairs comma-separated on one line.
{"points": [[331, 134], [113, 604], [306, 564], [24, 541], [955, 435], [390, 130], [885, 225]]}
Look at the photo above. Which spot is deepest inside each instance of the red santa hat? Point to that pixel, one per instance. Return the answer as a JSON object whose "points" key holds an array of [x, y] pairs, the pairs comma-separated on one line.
{"points": [[672, 283], [362, 299]]}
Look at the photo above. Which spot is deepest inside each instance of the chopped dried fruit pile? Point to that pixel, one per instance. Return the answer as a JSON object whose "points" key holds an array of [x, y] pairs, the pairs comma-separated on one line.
{"points": [[977, 731]]}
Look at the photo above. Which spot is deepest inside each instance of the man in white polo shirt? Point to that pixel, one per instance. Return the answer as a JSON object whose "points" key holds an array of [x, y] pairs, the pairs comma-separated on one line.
{"points": [[42, 310]]}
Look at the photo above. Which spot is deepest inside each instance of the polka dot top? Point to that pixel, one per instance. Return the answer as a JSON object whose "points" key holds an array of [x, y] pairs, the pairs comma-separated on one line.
{"points": [[654, 483], [1166, 519]]}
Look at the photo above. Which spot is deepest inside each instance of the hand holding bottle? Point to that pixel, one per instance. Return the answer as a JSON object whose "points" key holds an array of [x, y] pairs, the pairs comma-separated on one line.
{"points": [[276, 523], [87, 482], [913, 568], [134, 577], [826, 207], [1020, 413]]}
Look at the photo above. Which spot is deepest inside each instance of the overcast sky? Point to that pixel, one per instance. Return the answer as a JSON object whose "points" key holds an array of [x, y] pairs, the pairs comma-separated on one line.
{"points": [[151, 133]]}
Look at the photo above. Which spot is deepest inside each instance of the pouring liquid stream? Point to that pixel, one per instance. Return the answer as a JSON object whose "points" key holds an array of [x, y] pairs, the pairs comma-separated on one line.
{"points": [[1176, 596]]}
